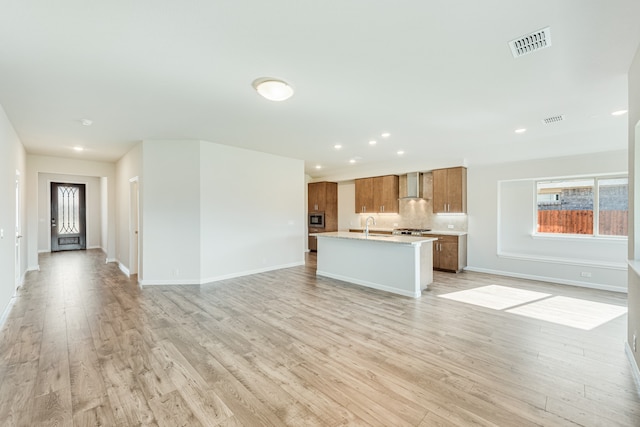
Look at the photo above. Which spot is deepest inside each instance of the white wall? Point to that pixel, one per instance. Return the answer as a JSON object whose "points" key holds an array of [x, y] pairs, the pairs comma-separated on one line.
{"points": [[501, 201], [170, 198], [252, 212], [93, 197], [12, 159], [37, 165], [128, 167], [347, 216]]}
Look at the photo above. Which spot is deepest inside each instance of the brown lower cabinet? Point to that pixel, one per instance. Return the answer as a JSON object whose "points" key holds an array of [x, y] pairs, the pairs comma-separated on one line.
{"points": [[449, 252], [313, 240]]}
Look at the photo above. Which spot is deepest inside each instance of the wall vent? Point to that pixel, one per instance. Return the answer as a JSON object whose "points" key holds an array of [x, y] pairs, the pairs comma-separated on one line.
{"points": [[553, 119], [531, 42]]}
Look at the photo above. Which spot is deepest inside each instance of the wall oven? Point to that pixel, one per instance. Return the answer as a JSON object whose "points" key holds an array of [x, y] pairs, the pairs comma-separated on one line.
{"points": [[316, 219]]}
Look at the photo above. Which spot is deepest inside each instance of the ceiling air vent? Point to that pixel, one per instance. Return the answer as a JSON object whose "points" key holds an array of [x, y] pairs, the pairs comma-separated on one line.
{"points": [[553, 119], [531, 42]]}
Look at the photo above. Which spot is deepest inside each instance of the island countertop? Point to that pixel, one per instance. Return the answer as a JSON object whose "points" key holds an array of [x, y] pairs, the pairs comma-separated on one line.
{"points": [[384, 238]]}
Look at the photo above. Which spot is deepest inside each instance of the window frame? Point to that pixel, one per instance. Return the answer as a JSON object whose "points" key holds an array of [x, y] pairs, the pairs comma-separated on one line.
{"points": [[596, 208]]}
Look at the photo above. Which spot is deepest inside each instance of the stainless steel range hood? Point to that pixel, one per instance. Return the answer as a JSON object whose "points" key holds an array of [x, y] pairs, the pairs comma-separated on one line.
{"points": [[414, 184]]}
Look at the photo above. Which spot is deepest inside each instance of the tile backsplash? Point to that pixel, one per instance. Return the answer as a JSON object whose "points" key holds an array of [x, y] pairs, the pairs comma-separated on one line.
{"points": [[418, 213]]}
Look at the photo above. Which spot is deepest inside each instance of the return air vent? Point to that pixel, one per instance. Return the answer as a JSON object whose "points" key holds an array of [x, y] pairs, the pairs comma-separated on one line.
{"points": [[553, 119], [531, 42]]}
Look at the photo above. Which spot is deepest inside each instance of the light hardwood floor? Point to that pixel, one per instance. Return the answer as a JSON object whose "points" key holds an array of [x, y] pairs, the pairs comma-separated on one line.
{"points": [[84, 345]]}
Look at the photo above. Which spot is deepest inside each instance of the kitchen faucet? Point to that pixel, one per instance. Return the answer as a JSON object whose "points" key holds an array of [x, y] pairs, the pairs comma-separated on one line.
{"points": [[366, 226]]}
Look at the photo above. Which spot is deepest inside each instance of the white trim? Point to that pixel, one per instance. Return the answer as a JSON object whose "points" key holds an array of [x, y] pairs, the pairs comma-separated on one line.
{"points": [[622, 266], [368, 284], [151, 282], [108, 260], [555, 280], [124, 269], [635, 371], [33, 268], [95, 247], [7, 310], [44, 251], [578, 237]]}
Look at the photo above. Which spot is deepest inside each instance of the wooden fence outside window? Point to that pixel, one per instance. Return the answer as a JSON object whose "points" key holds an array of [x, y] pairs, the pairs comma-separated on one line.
{"points": [[612, 223]]}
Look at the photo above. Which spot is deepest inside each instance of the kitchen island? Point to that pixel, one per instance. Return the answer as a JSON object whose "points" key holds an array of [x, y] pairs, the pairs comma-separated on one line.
{"points": [[399, 264]]}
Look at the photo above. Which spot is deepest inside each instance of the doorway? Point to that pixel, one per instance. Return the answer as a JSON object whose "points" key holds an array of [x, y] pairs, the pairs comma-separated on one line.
{"points": [[68, 217]]}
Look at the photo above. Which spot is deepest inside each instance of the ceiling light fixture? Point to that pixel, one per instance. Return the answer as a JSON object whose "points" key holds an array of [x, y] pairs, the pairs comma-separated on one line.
{"points": [[273, 89], [318, 167], [86, 122], [521, 130], [385, 135], [78, 148], [373, 142], [400, 153], [619, 113], [337, 146], [352, 161]]}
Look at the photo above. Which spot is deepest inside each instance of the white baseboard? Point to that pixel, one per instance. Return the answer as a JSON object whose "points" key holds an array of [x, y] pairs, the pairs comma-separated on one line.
{"points": [[124, 269], [7, 310], [108, 260], [634, 366], [44, 251], [33, 268], [151, 282], [599, 286]]}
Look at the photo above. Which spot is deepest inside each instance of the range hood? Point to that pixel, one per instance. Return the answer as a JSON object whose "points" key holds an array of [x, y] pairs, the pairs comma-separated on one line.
{"points": [[414, 190]]}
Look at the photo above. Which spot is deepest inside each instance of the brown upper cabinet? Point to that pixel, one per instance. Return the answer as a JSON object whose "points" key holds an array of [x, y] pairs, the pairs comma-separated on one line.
{"points": [[377, 194], [450, 190], [322, 196]]}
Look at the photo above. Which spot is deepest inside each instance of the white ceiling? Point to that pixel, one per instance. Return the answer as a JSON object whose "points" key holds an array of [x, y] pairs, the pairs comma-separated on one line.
{"points": [[438, 75]]}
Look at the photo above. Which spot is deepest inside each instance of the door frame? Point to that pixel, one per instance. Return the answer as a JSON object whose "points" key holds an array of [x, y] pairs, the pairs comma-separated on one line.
{"points": [[134, 226], [18, 234]]}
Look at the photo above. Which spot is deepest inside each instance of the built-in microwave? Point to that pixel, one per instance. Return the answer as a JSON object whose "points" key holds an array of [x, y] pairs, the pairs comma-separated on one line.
{"points": [[316, 219]]}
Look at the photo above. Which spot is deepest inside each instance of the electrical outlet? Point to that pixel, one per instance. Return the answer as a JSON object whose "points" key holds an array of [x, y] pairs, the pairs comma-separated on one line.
{"points": [[585, 274]]}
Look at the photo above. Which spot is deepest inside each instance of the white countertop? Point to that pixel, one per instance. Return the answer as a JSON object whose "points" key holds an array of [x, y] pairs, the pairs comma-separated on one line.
{"points": [[384, 238], [441, 232], [447, 232]]}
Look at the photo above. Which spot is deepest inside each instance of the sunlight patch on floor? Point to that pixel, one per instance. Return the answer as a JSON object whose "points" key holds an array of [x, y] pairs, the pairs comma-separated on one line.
{"points": [[495, 296], [573, 312]]}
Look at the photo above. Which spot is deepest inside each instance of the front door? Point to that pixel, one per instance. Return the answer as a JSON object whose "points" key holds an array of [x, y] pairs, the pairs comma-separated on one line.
{"points": [[68, 217]]}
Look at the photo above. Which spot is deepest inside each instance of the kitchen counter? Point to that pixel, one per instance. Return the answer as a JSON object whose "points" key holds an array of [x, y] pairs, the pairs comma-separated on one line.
{"points": [[399, 264], [447, 232]]}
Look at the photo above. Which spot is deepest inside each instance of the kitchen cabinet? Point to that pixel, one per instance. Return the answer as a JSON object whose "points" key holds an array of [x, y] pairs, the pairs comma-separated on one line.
{"points": [[450, 190], [449, 252], [377, 194], [322, 196]]}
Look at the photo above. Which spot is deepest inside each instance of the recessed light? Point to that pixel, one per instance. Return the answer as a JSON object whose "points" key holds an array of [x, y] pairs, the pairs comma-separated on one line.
{"points": [[78, 148], [337, 146], [273, 89], [400, 153], [373, 142], [86, 122], [318, 167], [385, 135], [352, 161], [619, 112], [521, 130]]}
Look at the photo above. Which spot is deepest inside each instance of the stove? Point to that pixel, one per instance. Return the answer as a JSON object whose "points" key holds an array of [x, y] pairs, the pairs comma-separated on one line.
{"points": [[410, 231]]}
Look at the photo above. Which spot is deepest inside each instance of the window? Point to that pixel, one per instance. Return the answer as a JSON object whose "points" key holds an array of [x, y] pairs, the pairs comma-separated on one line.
{"points": [[584, 206]]}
